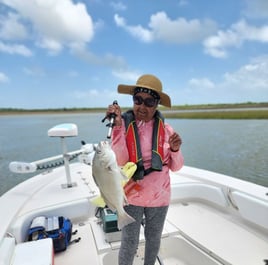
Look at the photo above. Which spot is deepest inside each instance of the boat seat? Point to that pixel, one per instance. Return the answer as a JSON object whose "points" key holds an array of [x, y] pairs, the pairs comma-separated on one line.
{"points": [[6, 250], [38, 252], [252, 209], [73, 210], [192, 191], [218, 235]]}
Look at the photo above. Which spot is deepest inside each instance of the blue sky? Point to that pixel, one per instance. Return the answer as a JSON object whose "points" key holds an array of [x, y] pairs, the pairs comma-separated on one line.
{"points": [[74, 53]]}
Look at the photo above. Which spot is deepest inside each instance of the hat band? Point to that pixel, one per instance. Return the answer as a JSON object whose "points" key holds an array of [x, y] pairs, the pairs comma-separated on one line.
{"points": [[149, 91]]}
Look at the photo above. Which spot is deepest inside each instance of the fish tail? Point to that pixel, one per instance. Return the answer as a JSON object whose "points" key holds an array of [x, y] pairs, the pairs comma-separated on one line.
{"points": [[124, 219]]}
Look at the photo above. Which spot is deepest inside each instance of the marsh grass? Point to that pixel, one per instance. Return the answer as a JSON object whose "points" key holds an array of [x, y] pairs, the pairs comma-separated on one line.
{"points": [[218, 114], [248, 110]]}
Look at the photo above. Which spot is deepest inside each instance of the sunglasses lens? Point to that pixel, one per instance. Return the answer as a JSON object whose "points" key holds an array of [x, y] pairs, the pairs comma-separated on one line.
{"points": [[148, 102], [137, 100]]}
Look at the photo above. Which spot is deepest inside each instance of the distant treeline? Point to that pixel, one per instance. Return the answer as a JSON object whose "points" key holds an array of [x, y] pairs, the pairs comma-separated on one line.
{"points": [[253, 114], [222, 106], [248, 110], [18, 110], [177, 107]]}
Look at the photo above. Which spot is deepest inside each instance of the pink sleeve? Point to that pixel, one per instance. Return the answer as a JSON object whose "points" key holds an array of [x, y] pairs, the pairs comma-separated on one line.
{"points": [[175, 159], [119, 145]]}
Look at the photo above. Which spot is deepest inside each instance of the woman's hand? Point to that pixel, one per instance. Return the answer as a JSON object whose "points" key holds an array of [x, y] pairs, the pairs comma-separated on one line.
{"points": [[115, 109], [175, 142]]}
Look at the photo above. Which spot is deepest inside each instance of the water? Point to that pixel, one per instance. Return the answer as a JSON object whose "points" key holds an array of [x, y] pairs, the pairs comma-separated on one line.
{"points": [[238, 148]]}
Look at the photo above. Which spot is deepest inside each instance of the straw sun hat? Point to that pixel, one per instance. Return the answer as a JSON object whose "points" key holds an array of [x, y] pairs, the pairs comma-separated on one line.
{"points": [[147, 81]]}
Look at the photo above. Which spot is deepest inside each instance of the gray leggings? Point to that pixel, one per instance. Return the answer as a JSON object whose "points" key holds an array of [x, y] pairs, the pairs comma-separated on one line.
{"points": [[154, 223]]}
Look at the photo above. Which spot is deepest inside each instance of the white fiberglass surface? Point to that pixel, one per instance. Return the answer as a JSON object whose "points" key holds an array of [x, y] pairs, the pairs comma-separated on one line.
{"points": [[173, 251]]}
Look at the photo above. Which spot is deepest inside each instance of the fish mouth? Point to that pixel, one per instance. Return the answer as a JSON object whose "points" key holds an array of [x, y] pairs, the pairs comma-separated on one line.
{"points": [[100, 146]]}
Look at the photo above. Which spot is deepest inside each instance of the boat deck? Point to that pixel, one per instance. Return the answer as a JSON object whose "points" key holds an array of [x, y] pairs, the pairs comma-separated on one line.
{"points": [[202, 227], [220, 239]]}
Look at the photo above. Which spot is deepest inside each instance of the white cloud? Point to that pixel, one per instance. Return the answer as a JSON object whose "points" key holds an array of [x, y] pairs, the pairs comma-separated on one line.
{"points": [[53, 46], [56, 23], [250, 78], [3, 78], [94, 97], [216, 45], [162, 28], [86, 94], [15, 49], [203, 83], [248, 32], [180, 30], [99, 24], [239, 32], [11, 28], [127, 75], [119, 21], [106, 60], [118, 6], [34, 71], [248, 83], [136, 31]]}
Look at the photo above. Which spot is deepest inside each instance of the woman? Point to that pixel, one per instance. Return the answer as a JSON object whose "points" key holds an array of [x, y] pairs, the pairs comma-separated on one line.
{"points": [[141, 136]]}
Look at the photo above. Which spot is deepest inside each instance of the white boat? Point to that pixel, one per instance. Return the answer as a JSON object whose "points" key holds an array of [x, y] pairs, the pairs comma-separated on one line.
{"points": [[213, 218]]}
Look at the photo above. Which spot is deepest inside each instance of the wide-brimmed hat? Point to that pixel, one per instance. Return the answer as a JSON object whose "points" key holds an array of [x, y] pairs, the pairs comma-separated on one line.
{"points": [[147, 81]]}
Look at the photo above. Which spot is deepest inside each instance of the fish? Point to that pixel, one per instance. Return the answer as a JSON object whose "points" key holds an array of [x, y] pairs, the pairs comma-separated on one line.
{"points": [[108, 177], [128, 170]]}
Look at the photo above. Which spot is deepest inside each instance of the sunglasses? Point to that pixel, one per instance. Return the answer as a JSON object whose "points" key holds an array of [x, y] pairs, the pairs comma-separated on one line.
{"points": [[148, 102]]}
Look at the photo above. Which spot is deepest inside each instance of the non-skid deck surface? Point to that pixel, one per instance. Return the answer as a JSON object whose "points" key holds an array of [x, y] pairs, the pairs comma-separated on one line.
{"points": [[223, 237], [83, 253]]}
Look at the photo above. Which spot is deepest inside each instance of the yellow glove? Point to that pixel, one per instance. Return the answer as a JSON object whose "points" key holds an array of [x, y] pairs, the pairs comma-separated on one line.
{"points": [[128, 170]]}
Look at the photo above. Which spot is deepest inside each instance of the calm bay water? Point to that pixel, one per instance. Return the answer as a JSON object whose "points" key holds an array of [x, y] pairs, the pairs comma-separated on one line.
{"points": [[238, 148]]}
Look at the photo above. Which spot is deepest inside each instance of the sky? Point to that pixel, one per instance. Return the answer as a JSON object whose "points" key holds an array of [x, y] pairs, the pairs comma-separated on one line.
{"points": [[74, 53]]}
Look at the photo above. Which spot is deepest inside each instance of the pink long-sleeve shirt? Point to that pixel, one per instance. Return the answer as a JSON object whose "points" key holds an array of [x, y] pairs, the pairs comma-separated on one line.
{"points": [[154, 189]]}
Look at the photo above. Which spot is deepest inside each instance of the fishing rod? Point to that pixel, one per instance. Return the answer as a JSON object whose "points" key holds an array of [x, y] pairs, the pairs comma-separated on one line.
{"points": [[111, 118]]}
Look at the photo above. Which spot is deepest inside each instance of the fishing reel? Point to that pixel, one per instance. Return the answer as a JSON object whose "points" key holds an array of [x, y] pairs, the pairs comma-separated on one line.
{"points": [[111, 118]]}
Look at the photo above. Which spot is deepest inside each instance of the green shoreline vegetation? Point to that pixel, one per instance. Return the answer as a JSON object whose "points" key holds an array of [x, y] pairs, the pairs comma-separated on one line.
{"points": [[249, 110]]}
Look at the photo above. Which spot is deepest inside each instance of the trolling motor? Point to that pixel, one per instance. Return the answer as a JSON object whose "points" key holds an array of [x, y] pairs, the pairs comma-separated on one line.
{"points": [[111, 118], [85, 154]]}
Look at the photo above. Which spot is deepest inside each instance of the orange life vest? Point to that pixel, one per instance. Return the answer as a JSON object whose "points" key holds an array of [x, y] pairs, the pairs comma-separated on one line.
{"points": [[133, 144]]}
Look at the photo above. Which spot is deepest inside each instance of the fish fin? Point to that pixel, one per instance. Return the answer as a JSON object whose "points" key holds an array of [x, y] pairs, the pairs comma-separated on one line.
{"points": [[125, 199], [98, 201], [123, 220], [95, 180]]}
